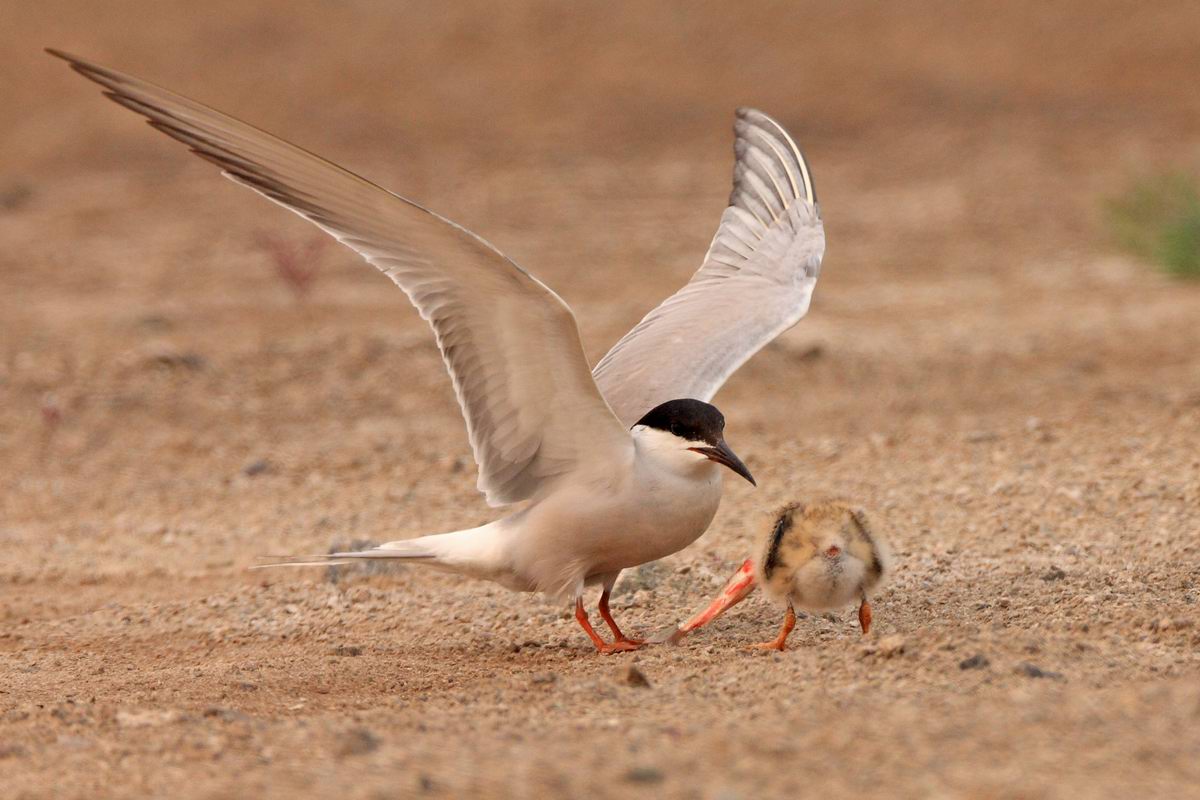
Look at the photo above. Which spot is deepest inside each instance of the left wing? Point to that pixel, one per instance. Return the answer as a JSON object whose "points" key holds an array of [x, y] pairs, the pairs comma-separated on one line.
{"points": [[510, 344]]}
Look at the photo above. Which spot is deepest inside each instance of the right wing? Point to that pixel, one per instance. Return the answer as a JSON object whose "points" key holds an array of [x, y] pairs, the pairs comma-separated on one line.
{"points": [[511, 344], [754, 284]]}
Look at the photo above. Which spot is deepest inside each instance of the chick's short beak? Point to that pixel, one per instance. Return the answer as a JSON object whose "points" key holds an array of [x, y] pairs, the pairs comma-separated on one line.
{"points": [[723, 455]]}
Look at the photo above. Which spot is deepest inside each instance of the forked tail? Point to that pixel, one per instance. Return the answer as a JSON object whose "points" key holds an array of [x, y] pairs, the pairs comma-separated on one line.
{"points": [[406, 549], [477, 552]]}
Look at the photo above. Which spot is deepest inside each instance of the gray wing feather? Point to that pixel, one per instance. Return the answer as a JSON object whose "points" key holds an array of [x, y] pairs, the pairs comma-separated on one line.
{"points": [[756, 281], [511, 344]]}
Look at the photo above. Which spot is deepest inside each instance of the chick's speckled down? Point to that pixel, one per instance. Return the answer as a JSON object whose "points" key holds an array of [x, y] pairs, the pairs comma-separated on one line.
{"points": [[822, 555]]}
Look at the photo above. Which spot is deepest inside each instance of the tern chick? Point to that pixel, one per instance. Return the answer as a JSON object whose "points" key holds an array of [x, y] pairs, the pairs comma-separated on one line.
{"points": [[816, 557]]}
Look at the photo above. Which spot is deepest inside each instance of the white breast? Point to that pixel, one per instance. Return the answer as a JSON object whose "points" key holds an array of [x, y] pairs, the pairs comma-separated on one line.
{"points": [[620, 518]]}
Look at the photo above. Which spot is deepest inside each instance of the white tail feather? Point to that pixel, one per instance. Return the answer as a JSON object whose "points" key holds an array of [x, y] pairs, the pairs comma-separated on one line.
{"points": [[478, 552]]}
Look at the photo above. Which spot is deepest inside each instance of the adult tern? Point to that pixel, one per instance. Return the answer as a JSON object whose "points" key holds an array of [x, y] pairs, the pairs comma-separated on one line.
{"points": [[616, 467]]}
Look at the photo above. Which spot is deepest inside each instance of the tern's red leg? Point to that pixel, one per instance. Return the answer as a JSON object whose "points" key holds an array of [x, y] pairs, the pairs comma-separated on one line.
{"points": [[612, 623], [780, 641], [736, 589], [864, 615], [601, 645]]}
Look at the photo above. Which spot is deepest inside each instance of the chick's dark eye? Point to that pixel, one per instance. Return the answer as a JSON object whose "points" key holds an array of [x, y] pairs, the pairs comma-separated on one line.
{"points": [[675, 429]]}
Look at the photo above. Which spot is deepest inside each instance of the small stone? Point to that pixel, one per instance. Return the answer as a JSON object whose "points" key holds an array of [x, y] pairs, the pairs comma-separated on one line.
{"points": [[544, 679], [977, 661], [891, 646], [15, 196], [172, 359], [357, 742], [1054, 574], [348, 650], [645, 775], [813, 352], [635, 677], [1034, 671], [645, 577], [256, 468]]}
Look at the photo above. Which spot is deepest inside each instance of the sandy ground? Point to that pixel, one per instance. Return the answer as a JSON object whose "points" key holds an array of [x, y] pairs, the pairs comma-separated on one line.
{"points": [[1017, 403]]}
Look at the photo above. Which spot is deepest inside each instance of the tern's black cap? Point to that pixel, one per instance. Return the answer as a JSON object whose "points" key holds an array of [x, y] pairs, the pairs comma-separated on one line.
{"points": [[693, 420]]}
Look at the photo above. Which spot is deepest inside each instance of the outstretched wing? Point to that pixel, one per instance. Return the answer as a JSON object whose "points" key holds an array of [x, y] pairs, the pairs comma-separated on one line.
{"points": [[754, 284], [511, 344]]}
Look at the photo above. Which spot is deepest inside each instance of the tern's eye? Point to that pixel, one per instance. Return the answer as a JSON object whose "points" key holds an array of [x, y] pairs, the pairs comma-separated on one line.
{"points": [[676, 430]]}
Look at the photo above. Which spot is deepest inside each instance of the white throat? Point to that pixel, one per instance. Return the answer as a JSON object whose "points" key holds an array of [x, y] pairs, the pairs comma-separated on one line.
{"points": [[670, 452]]}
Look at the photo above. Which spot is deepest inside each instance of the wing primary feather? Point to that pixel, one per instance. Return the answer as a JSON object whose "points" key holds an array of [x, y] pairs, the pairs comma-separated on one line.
{"points": [[756, 154], [760, 188], [810, 192]]}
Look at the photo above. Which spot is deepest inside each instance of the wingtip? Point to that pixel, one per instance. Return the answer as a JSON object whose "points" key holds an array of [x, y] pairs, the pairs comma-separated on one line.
{"points": [[750, 114], [751, 121], [65, 56]]}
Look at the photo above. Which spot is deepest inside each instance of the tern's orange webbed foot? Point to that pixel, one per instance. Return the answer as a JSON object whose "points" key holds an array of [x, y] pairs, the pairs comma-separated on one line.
{"points": [[626, 646], [623, 644]]}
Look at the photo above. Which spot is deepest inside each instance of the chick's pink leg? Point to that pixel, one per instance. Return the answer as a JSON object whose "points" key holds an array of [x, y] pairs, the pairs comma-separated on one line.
{"points": [[736, 589], [780, 641], [864, 616]]}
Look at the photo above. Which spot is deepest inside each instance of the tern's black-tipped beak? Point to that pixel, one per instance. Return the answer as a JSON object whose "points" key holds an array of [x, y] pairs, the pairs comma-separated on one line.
{"points": [[723, 455]]}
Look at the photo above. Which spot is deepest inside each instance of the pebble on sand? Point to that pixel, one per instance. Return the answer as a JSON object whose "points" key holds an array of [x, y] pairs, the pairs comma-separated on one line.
{"points": [[357, 742], [1034, 671], [977, 661], [645, 775], [632, 676]]}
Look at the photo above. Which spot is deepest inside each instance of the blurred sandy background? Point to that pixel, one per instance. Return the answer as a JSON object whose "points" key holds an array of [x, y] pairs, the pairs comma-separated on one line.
{"points": [[1019, 401]]}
